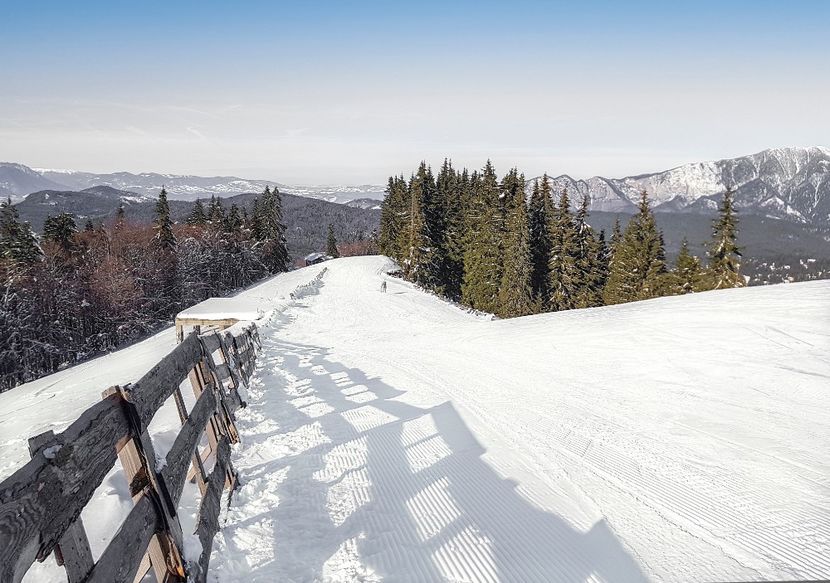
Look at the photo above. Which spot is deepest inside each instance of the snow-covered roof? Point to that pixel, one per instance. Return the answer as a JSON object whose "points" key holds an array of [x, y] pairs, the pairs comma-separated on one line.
{"points": [[316, 256], [224, 309]]}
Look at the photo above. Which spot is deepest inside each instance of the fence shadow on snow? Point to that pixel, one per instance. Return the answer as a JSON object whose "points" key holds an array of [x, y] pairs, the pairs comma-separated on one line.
{"points": [[403, 487]]}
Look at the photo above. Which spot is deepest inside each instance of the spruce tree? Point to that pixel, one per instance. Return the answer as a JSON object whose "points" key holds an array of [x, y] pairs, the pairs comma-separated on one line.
{"points": [[449, 192], [17, 242], [272, 231], [723, 270], [516, 290], [539, 218], [165, 239], [60, 229], [425, 262], [482, 251], [564, 274], [197, 215], [88, 226], [331, 243], [687, 274], [215, 212], [233, 220], [638, 265], [391, 218], [588, 251]]}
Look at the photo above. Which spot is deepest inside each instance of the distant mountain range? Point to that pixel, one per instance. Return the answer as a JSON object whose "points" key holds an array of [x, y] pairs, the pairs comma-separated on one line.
{"points": [[17, 180], [783, 183]]}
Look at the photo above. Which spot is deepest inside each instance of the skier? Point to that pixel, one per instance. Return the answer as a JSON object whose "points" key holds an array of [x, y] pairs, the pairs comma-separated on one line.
{"points": [[383, 287]]}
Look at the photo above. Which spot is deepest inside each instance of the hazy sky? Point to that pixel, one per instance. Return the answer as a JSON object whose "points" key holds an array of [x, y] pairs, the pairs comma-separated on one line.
{"points": [[349, 92]]}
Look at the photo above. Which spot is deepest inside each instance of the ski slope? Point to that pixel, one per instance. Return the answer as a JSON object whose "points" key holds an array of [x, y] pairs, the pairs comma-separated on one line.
{"points": [[395, 437]]}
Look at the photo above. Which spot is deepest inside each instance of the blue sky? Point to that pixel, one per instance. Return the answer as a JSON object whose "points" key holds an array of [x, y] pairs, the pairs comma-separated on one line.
{"points": [[328, 92]]}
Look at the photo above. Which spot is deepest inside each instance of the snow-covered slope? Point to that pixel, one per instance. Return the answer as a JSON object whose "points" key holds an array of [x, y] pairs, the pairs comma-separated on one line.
{"points": [[396, 437]]}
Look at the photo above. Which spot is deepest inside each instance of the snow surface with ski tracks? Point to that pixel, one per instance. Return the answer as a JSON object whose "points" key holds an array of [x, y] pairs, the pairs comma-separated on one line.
{"points": [[396, 437]]}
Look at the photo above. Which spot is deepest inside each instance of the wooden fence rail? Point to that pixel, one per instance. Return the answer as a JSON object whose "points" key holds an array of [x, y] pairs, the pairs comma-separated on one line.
{"points": [[41, 503]]}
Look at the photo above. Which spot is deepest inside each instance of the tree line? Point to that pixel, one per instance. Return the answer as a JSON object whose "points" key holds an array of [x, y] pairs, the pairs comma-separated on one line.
{"points": [[481, 241], [72, 293]]}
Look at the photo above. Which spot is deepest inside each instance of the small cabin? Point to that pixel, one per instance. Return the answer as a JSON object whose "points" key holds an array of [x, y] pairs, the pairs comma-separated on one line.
{"points": [[315, 258]]}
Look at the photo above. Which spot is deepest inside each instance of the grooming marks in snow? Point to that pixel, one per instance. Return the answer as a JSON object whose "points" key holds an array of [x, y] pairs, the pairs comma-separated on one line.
{"points": [[396, 437], [407, 440]]}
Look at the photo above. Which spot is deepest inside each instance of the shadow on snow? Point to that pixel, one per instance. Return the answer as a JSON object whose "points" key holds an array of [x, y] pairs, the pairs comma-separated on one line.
{"points": [[415, 500]]}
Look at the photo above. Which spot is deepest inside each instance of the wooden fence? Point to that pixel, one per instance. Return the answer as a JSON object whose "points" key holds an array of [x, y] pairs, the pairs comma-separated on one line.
{"points": [[41, 504]]}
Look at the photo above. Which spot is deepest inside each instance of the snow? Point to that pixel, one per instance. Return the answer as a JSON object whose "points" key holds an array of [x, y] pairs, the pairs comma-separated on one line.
{"points": [[397, 437], [224, 308]]}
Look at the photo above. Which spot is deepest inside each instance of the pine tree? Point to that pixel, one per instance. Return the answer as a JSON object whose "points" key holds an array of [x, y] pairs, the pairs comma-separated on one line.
{"points": [[272, 231], [723, 270], [17, 242], [516, 290], [88, 226], [197, 215], [233, 221], [391, 217], [687, 274], [539, 218], [425, 260], [215, 212], [589, 284], [60, 229], [603, 263], [616, 235], [165, 239], [564, 275], [482, 248], [449, 191], [638, 265], [331, 243]]}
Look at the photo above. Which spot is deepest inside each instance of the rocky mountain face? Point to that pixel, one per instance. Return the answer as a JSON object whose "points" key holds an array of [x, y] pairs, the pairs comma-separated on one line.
{"points": [[791, 183]]}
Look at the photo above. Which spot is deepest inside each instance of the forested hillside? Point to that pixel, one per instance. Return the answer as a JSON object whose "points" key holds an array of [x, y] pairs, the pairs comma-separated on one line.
{"points": [[306, 219], [476, 239], [80, 290]]}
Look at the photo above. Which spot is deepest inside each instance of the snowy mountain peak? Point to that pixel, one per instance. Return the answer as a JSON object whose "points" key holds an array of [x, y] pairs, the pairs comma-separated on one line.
{"points": [[792, 183]]}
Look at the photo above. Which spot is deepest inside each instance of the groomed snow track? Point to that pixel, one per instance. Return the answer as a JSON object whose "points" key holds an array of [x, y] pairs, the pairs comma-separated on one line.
{"points": [[396, 437]]}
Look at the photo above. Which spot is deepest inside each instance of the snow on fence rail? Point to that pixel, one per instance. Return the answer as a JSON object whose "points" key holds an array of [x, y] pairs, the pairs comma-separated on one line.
{"points": [[41, 503], [307, 288]]}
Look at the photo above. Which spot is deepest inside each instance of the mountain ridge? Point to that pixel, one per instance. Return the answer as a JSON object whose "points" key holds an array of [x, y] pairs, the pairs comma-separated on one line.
{"points": [[782, 183]]}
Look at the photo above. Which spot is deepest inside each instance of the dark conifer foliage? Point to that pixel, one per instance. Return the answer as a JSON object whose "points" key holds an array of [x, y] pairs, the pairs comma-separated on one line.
{"points": [[60, 229], [270, 229], [197, 216], [165, 239], [540, 216], [688, 273], [723, 270], [449, 192], [638, 267], [516, 289], [482, 249], [565, 277], [477, 239], [17, 242], [331, 243], [74, 294]]}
